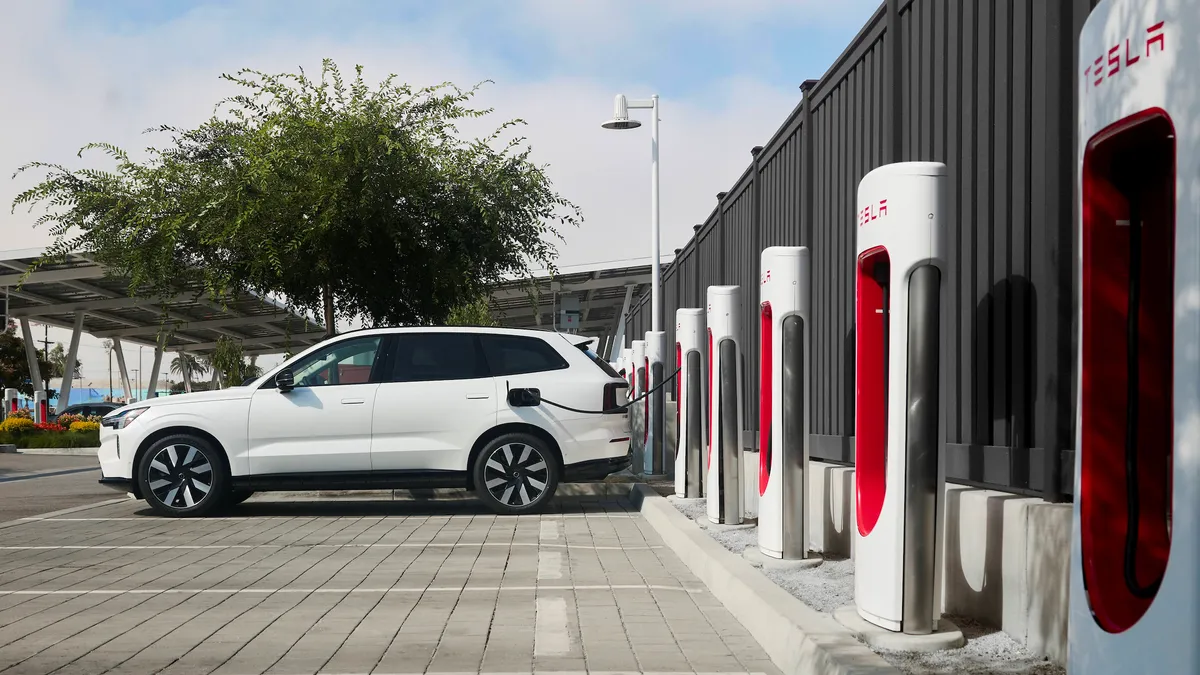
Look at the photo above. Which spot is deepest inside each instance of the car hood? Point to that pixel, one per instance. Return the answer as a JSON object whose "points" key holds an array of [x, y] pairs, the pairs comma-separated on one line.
{"points": [[230, 394]]}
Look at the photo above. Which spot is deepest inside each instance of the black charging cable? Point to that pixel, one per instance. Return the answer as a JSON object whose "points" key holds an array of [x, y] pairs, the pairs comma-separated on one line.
{"points": [[620, 408]]}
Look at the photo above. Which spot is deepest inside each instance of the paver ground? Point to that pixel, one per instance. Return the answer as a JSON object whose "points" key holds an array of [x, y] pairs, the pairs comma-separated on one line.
{"points": [[293, 587]]}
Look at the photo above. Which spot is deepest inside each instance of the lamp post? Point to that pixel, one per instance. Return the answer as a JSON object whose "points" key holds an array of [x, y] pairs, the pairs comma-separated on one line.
{"points": [[655, 456]]}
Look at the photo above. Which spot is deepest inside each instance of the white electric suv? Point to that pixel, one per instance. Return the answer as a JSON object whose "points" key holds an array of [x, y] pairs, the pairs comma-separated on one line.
{"points": [[395, 408]]}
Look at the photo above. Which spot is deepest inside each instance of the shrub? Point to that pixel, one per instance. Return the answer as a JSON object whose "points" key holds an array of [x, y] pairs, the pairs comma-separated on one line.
{"points": [[16, 424], [67, 419], [50, 426], [65, 439], [93, 418], [23, 413], [81, 426]]}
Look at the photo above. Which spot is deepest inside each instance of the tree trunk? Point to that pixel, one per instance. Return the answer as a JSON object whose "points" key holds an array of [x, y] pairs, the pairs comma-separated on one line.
{"points": [[330, 320]]}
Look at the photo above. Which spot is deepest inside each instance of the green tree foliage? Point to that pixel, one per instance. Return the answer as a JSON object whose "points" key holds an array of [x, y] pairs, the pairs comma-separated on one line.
{"points": [[14, 366], [58, 362], [474, 313], [190, 364], [340, 197]]}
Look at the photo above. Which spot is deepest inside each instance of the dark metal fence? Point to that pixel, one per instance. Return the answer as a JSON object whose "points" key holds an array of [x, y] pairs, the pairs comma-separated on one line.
{"points": [[986, 86]]}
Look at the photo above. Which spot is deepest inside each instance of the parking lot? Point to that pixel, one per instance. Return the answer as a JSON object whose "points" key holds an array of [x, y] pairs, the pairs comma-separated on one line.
{"points": [[353, 587]]}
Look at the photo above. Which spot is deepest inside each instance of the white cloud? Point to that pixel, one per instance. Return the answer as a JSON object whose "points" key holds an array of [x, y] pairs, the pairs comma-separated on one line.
{"points": [[64, 87]]}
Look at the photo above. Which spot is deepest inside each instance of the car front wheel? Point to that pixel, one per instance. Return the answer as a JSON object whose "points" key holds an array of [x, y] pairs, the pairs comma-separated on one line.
{"points": [[516, 474], [182, 476]]}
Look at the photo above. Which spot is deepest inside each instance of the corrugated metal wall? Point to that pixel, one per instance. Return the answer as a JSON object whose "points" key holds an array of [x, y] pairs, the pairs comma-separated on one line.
{"points": [[986, 86]]}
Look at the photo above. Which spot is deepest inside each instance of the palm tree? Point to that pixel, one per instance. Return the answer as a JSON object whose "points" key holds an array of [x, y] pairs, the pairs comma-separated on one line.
{"points": [[189, 361]]}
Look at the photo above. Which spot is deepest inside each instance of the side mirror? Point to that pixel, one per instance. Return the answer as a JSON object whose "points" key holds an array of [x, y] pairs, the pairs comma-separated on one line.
{"points": [[524, 398], [284, 380]]}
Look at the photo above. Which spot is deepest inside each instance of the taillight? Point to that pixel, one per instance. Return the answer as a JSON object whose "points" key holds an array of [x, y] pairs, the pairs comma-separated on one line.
{"points": [[610, 398]]}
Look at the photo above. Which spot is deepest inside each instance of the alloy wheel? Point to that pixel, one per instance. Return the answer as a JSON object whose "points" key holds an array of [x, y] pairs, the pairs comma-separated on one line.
{"points": [[516, 474], [180, 476]]}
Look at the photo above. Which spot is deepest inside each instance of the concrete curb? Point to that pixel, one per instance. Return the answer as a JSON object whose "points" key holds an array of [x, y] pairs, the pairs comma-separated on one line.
{"points": [[78, 452], [799, 639]]}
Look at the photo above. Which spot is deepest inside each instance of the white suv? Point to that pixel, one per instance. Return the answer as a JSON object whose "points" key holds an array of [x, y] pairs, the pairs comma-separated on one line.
{"points": [[397, 408]]}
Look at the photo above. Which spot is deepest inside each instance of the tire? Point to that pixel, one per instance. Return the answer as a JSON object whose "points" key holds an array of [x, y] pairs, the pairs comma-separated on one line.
{"points": [[522, 472], [183, 476]]}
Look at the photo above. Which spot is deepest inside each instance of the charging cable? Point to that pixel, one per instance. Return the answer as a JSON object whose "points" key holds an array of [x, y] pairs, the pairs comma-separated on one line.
{"points": [[620, 408]]}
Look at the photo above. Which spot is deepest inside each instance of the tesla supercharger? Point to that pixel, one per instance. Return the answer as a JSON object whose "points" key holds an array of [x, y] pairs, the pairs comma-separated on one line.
{"points": [[41, 407], [783, 402], [10, 402], [655, 463], [899, 478], [690, 441], [723, 489], [623, 366], [637, 413], [1135, 543]]}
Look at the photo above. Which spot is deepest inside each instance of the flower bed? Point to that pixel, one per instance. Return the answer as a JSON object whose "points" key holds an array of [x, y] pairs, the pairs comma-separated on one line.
{"points": [[25, 434]]}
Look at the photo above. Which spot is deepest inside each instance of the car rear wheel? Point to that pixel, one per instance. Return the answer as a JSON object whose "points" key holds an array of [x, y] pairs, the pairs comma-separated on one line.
{"points": [[516, 474], [183, 476]]}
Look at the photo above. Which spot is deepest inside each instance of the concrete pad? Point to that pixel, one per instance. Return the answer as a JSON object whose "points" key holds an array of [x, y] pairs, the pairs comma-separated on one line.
{"points": [[756, 557], [947, 636], [798, 638]]}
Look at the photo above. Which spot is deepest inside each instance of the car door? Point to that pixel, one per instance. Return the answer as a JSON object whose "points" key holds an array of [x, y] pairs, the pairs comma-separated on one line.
{"points": [[322, 425], [526, 361], [435, 401]]}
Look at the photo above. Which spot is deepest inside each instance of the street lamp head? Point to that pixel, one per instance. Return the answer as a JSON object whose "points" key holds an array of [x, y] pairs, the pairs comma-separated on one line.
{"points": [[620, 118]]}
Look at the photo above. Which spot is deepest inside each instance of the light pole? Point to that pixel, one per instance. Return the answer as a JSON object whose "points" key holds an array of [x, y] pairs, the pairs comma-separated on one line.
{"points": [[655, 460]]}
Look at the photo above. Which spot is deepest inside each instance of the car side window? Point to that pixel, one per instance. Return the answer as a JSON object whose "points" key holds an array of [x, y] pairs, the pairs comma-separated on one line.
{"points": [[517, 354], [346, 362], [430, 357]]}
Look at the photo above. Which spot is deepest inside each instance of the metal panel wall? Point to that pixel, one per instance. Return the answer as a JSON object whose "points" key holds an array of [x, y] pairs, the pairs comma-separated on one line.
{"points": [[986, 86]]}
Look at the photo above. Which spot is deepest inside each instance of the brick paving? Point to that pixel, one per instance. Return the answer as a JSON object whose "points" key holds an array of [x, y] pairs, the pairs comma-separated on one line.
{"points": [[358, 587]]}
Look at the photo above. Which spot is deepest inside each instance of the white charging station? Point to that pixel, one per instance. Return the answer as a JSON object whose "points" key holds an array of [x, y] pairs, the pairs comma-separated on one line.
{"points": [[785, 326], [10, 402], [623, 366], [655, 463], [724, 489], [899, 475], [41, 407], [637, 412], [1135, 542], [690, 385]]}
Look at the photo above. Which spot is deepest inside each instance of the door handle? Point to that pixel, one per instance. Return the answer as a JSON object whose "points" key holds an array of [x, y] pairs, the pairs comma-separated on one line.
{"points": [[353, 401], [478, 397]]}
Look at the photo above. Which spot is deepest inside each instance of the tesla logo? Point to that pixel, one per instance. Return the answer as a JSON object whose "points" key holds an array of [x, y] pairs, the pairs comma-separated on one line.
{"points": [[766, 276], [872, 212], [1124, 55]]}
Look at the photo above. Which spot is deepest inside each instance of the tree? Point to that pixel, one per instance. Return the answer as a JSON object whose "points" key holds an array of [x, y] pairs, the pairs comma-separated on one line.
{"points": [[14, 365], [349, 201], [188, 366], [474, 313], [58, 362]]}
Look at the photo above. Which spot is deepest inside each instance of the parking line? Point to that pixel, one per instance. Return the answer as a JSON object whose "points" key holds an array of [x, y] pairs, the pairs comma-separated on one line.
{"points": [[355, 590], [551, 636]]}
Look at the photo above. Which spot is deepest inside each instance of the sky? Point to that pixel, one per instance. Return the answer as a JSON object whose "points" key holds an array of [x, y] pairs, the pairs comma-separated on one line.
{"points": [[727, 73]]}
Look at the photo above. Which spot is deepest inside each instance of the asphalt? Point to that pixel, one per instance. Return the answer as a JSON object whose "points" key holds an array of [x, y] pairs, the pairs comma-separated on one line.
{"points": [[304, 586]]}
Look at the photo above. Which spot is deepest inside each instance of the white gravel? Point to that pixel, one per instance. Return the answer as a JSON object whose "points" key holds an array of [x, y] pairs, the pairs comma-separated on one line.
{"points": [[831, 585]]}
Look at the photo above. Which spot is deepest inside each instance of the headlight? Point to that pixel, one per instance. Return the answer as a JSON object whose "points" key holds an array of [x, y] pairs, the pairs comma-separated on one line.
{"points": [[122, 420]]}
